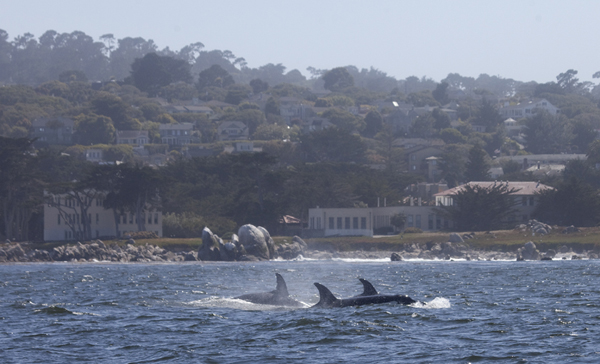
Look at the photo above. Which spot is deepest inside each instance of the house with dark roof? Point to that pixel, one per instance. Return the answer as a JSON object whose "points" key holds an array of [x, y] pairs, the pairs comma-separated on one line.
{"points": [[176, 134], [132, 137], [528, 109], [232, 130], [55, 130], [525, 195]]}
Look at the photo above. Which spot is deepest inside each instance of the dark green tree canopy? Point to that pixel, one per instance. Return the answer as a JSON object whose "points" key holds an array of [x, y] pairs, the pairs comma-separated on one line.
{"points": [[481, 208], [478, 165], [573, 202], [152, 72], [338, 79], [215, 76]]}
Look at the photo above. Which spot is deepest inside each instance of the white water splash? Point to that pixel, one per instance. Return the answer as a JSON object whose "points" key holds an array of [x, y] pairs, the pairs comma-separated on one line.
{"points": [[438, 302], [237, 304]]}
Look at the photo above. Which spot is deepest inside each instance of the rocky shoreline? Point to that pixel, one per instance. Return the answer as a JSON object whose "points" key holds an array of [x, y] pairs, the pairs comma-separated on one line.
{"points": [[254, 243]]}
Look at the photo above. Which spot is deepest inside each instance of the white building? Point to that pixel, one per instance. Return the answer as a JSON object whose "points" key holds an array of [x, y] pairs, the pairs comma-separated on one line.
{"points": [[363, 221], [528, 109], [62, 220]]}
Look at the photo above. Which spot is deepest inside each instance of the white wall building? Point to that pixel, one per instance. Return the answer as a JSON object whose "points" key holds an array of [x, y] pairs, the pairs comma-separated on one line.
{"points": [[362, 221], [62, 220]]}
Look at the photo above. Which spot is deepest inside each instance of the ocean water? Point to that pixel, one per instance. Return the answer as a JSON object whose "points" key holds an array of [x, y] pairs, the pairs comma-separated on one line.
{"points": [[501, 312]]}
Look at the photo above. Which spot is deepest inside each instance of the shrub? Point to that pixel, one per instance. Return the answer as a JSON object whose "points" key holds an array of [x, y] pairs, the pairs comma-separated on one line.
{"points": [[412, 230], [190, 225]]}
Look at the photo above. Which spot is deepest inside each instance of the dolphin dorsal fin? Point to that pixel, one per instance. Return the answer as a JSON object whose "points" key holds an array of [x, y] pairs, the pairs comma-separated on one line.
{"points": [[281, 286], [369, 290], [326, 298]]}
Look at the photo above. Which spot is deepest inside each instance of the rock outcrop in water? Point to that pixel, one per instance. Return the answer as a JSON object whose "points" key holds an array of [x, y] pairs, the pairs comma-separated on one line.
{"points": [[252, 243]]}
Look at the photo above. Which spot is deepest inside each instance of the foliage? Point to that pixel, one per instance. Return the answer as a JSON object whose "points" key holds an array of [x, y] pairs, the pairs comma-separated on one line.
{"points": [[215, 76], [412, 230], [333, 145], [478, 165], [374, 123], [573, 202], [190, 225], [479, 208], [152, 72], [94, 129], [344, 120], [338, 79], [546, 134], [398, 220]]}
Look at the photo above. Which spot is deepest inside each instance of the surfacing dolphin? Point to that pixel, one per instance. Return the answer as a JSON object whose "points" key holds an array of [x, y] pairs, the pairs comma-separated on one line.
{"points": [[369, 296], [278, 297]]}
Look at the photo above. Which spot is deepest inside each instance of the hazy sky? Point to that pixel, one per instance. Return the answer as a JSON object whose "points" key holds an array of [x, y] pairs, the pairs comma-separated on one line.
{"points": [[521, 39]]}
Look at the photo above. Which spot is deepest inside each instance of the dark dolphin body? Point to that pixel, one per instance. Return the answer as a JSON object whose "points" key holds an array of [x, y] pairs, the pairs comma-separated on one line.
{"points": [[369, 296], [278, 297]]}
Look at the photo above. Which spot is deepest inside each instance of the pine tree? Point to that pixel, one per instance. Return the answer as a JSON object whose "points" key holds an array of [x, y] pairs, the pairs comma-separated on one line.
{"points": [[478, 166]]}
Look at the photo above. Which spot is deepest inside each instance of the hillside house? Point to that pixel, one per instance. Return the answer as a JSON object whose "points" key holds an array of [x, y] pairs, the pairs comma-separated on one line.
{"points": [[176, 134], [132, 137], [57, 130], [528, 109], [525, 195], [232, 130]]}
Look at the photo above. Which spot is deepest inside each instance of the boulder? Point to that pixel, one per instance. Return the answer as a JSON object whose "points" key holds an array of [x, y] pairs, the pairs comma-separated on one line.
{"points": [[209, 251], [297, 239], [455, 238], [396, 257], [254, 242], [528, 252], [551, 253], [190, 257], [269, 240], [570, 230]]}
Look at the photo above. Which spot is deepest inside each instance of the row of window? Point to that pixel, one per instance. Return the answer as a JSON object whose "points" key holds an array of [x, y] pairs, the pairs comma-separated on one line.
{"points": [[75, 219], [434, 222], [132, 217]]}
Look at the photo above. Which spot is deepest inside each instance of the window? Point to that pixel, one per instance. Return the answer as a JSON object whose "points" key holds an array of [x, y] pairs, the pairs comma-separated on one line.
{"points": [[355, 223], [363, 223], [531, 201], [97, 218], [418, 221], [156, 218], [318, 222], [430, 222], [131, 217], [347, 223], [312, 222], [409, 221], [339, 223], [524, 201], [149, 218], [331, 223], [58, 219]]}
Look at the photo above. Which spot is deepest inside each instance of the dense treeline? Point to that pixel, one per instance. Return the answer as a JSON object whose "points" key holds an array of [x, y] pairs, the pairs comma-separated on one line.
{"points": [[353, 162], [222, 192]]}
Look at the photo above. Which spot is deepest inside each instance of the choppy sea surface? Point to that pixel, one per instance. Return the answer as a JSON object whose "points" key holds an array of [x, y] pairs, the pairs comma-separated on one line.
{"points": [[501, 312]]}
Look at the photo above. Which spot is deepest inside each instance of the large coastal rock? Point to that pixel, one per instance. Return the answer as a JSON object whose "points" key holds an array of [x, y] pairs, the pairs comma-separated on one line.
{"points": [[291, 250], [209, 250], [255, 242], [528, 252]]}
